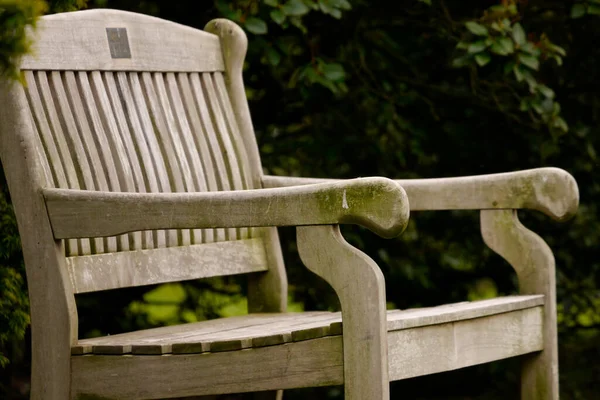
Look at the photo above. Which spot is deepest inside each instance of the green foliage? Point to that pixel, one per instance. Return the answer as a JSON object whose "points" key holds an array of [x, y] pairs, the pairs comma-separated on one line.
{"points": [[14, 304], [582, 8], [57, 6], [498, 33], [346, 89], [15, 17], [286, 20]]}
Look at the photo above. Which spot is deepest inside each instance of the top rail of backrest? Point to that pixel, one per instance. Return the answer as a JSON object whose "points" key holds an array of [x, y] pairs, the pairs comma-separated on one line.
{"points": [[112, 40]]}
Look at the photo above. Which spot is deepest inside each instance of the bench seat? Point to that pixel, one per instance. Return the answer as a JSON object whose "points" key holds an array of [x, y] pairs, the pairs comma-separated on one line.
{"points": [[287, 350]]}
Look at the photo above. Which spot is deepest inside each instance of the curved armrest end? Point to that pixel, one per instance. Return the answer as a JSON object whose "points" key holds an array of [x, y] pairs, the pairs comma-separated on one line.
{"points": [[552, 191], [378, 204]]}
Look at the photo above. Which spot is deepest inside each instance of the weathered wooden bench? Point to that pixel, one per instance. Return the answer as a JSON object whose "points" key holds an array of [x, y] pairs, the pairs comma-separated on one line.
{"points": [[131, 160]]}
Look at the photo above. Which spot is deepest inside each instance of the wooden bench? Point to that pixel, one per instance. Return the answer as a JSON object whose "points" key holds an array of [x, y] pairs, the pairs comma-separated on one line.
{"points": [[131, 160]]}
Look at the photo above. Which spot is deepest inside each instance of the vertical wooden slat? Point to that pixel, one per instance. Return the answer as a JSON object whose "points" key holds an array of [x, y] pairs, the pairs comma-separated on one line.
{"points": [[198, 135], [233, 129], [226, 147], [213, 142], [75, 145], [127, 128], [192, 154], [43, 130], [101, 143], [83, 245], [83, 130], [55, 166], [235, 137], [114, 134], [142, 150], [145, 98], [170, 137]]}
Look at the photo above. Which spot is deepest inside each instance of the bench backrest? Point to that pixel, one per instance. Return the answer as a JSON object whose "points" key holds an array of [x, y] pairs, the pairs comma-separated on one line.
{"points": [[117, 101]]}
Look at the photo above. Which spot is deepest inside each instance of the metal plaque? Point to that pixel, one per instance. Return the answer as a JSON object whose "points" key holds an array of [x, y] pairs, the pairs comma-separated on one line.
{"points": [[118, 42]]}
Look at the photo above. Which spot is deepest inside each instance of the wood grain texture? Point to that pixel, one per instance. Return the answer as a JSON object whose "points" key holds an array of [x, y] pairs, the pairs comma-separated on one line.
{"points": [[376, 203], [360, 286], [550, 190], [534, 264], [444, 347], [63, 172], [131, 132], [112, 123], [52, 304], [317, 362], [79, 41], [146, 267]]}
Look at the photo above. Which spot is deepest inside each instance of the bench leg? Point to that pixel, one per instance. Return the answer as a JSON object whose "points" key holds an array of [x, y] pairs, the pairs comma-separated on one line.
{"points": [[360, 286], [539, 377], [534, 264]]}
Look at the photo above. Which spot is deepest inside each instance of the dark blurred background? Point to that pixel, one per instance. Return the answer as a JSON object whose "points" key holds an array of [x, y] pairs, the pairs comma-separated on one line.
{"points": [[403, 89]]}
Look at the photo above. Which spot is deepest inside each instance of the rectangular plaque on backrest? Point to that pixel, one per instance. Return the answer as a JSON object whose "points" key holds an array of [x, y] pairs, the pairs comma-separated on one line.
{"points": [[118, 43]]}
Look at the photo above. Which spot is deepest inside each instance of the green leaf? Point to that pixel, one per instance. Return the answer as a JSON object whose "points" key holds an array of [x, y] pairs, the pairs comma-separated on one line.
{"points": [[518, 73], [461, 61], [561, 124], [277, 16], [476, 47], [272, 3], [336, 13], [295, 8], [476, 29], [508, 67], [297, 22], [256, 26], [483, 59], [558, 60], [530, 61], [546, 91], [462, 45], [343, 4], [530, 79], [518, 34], [428, 2], [311, 4], [273, 56], [333, 72], [593, 9], [537, 106], [503, 46], [224, 8], [531, 49], [557, 49]]}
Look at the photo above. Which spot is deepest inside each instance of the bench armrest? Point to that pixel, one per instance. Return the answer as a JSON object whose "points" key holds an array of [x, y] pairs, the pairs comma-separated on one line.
{"points": [[552, 191], [378, 204]]}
